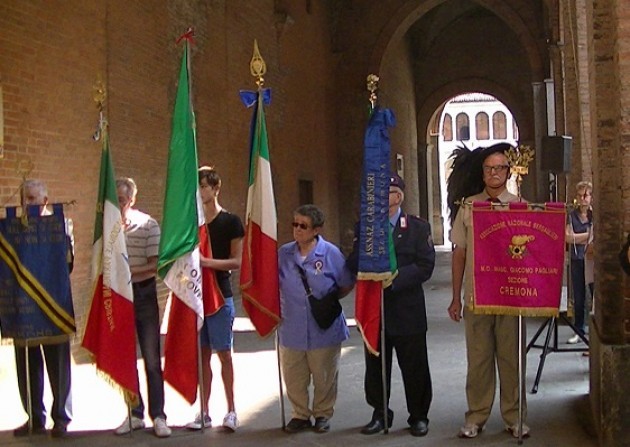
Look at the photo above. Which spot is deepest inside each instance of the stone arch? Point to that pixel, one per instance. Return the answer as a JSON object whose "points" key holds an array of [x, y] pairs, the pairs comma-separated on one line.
{"points": [[426, 111], [410, 12], [525, 34]]}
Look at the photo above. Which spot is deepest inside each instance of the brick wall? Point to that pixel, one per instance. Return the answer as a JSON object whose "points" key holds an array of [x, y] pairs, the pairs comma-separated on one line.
{"points": [[318, 55], [51, 54]]}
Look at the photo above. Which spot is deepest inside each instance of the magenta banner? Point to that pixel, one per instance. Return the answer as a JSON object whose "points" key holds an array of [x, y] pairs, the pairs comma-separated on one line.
{"points": [[518, 259]]}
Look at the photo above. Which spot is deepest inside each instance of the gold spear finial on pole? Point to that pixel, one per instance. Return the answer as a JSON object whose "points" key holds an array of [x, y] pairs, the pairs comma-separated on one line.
{"points": [[257, 66], [372, 86], [519, 159], [99, 96]]}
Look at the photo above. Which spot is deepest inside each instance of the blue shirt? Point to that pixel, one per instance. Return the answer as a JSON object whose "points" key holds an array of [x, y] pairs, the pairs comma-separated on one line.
{"points": [[578, 227], [326, 270], [394, 219]]}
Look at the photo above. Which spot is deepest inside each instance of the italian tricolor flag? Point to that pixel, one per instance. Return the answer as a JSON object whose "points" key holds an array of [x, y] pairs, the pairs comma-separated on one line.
{"points": [[178, 263], [110, 334], [259, 268]]}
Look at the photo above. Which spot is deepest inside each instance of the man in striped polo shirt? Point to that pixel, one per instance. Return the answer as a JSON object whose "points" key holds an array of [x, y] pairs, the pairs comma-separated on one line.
{"points": [[142, 235]]}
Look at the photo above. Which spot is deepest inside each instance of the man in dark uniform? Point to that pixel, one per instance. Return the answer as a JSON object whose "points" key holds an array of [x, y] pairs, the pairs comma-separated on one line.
{"points": [[405, 319]]}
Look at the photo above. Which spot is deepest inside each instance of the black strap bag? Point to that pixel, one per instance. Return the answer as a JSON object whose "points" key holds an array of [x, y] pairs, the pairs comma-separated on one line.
{"points": [[326, 309]]}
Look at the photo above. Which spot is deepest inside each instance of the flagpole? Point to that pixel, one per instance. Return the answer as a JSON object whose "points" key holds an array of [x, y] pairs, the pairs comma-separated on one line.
{"points": [[188, 37], [384, 365], [258, 68], [99, 134], [202, 399], [520, 379], [519, 159], [29, 404], [372, 87], [281, 389]]}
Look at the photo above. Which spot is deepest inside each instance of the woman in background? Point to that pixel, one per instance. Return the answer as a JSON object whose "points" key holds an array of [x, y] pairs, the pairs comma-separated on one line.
{"points": [[579, 236]]}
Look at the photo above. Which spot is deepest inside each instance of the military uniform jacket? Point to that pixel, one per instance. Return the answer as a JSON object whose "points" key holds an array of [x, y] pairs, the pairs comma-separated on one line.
{"points": [[405, 311]]}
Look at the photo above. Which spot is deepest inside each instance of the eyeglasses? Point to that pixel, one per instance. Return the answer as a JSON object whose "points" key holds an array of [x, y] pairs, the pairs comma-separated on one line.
{"points": [[303, 226], [497, 168]]}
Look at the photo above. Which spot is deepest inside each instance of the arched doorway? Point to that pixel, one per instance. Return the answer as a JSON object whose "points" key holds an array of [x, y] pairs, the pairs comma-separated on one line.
{"points": [[472, 120], [426, 53]]}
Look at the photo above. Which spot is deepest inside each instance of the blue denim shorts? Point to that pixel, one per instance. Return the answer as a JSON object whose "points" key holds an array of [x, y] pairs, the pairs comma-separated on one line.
{"points": [[216, 332]]}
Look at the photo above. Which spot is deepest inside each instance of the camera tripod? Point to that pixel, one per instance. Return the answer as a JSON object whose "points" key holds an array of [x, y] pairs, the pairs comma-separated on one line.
{"points": [[551, 343]]}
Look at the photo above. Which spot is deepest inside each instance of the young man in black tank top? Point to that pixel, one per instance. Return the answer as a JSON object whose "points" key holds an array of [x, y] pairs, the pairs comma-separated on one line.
{"points": [[226, 234]]}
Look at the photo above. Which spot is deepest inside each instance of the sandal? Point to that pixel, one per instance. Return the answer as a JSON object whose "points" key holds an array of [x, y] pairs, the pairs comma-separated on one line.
{"points": [[469, 431], [513, 430]]}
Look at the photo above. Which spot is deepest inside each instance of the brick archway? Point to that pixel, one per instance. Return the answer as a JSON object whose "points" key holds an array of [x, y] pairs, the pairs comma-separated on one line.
{"points": [[411, 11]]}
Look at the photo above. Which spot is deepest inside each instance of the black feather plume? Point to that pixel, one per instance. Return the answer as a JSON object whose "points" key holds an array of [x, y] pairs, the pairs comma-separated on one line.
{"points": [[466, 177]]}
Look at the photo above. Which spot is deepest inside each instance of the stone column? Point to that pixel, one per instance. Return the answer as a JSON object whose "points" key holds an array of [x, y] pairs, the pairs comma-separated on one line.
{"points": [[610, 330]]}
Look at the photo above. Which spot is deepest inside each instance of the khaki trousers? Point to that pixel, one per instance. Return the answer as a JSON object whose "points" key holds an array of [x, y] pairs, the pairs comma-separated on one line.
{"points": [[491, 344], [297, 369]]}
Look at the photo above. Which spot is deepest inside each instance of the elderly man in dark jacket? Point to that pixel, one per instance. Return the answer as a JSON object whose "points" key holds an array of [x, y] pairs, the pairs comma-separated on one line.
{"points": [[405, 320]]}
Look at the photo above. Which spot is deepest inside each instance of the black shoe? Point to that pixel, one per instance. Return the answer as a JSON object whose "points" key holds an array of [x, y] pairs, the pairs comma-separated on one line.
{"points": [[419, 428], [376, 425], [295, 425], [22, 430], [322, 425], [59, 431]]}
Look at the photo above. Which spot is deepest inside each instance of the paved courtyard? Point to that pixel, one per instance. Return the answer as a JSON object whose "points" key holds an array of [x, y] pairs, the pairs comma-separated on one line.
{"points": [[559, 414]]}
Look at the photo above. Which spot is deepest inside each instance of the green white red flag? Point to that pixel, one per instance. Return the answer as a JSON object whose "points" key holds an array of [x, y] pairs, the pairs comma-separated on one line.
{"points": [[178, 262], [259, 268], [110, 333]]}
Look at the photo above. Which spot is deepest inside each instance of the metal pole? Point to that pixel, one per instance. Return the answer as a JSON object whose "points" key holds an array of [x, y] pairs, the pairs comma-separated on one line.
{"points": [[384, 365], [280, 387], [29, 404], [520, 379], [203, 404], [129, 419], [202, 397]]}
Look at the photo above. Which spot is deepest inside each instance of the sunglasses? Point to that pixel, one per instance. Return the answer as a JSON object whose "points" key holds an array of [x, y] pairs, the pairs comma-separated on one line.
{"points": [[303, 226]]}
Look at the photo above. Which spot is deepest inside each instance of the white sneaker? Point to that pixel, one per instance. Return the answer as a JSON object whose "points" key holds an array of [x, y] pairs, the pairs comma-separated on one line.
{"points": [[196, 424], [136, 424], [160, 428], [230, 421], [513, 430], [573, 340]]}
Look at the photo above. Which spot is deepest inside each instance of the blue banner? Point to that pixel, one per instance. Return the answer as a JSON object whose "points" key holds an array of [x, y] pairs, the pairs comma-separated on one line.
{"points": [[35, 293], [374, 252]]}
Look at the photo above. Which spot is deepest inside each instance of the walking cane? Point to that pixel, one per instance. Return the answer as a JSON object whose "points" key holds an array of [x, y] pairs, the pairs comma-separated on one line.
{"points": [[280, 388]]}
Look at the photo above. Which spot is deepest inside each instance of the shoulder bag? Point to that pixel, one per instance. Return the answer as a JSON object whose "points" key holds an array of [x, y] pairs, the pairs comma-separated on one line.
{"points": [[326, 309]]}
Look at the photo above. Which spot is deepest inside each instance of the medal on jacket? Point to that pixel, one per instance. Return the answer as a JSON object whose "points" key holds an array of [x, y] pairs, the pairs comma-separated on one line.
{"points": [[318, 267], [403, 222]]}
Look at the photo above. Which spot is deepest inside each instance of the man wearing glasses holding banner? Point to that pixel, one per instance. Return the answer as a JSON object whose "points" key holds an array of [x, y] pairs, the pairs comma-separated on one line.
{"points": [[491, 340]]}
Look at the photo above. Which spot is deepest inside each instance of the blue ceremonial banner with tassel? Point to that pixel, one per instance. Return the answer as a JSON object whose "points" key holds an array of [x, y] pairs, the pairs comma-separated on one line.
{"points": [[375, 262], [35, 293], [377, 259]]}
